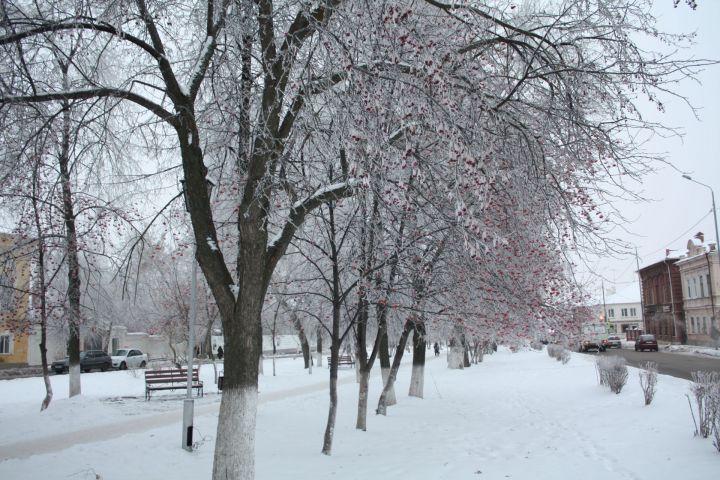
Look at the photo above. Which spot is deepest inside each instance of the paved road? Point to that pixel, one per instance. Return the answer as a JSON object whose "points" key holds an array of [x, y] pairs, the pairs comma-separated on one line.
{"points": [[675, 364]]}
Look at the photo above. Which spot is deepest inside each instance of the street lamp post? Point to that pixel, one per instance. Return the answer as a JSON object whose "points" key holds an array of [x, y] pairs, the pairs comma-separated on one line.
{"points": [[189, 403], [713, 326], [712, 195]]}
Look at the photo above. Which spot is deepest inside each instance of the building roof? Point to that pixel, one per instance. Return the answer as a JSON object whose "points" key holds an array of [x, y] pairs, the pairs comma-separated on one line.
{"points": [[665, 261]]}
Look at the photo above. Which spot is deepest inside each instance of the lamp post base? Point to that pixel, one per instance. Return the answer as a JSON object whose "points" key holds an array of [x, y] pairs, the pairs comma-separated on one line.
{"points": [[187, 429]]}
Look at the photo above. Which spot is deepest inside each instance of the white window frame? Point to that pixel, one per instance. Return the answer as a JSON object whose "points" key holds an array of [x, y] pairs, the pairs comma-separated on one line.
{"points": [[9, 343]]}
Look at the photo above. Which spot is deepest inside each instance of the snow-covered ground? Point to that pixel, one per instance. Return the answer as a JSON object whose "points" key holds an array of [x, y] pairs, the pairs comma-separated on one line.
{"points": [[516, 415], [691, 349]]}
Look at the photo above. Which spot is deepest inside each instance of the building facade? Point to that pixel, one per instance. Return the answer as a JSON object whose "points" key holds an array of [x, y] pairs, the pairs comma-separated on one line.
{"points": [[700, 277], [621, 310], [14, 300], [662, 298]]}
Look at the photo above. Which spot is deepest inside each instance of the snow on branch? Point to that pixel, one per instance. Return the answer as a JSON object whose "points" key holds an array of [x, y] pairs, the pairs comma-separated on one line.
{"points": [[84, 94], [276, 248], [197, 73], [78, 24]]}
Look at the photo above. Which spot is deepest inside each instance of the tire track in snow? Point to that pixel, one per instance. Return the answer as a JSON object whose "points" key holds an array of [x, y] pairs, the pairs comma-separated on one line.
{"points": [[110, 431]]}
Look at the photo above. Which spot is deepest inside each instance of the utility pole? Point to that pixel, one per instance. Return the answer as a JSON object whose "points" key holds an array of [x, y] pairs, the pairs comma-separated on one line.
{"points": [[642, 300]]}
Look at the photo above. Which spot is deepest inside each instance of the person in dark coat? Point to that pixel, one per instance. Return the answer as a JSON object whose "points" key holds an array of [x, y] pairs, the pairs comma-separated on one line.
{"points": [[437, 349], [220, 353]]}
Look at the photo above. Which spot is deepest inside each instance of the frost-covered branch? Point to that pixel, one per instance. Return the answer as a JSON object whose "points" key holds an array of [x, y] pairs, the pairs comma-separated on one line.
{"points": [[299, 211]]}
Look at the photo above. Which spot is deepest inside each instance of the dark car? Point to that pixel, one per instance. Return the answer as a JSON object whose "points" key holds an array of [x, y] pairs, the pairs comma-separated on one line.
{"points": [[91, 359], [646, 342], [612, 342]]}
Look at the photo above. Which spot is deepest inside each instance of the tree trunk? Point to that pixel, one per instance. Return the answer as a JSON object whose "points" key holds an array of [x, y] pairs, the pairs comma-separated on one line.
{"points": [[390, 399], [332, 410], [318, 347], [42, 295], [73, 273], [382, 402], [235, 445], [304, 345], [335, 339], [364, 388], [417, 379]]}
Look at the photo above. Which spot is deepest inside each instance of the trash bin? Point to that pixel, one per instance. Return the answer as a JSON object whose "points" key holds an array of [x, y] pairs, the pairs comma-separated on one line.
{"points": [[220, 383]]}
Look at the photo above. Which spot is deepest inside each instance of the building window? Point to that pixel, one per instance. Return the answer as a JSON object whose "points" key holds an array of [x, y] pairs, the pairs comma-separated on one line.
{"points": [[611, 313], [633, 312], [5, 344], [702, 286], [624, 312], [704, 325], [7, 283]]}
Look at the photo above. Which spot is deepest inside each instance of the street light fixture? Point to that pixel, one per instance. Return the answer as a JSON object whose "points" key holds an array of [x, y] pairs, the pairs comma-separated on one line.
{"points": [[189, 403], [712, 195]]}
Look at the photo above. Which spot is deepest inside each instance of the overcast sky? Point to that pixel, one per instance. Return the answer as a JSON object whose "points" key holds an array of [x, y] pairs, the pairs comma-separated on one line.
{"points": [[679, 208]]}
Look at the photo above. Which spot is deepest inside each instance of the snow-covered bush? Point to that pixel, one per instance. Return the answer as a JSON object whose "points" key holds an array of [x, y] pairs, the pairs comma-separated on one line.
{"points": [[706, 390], [612, 372], [559, 353], [648, 380]]}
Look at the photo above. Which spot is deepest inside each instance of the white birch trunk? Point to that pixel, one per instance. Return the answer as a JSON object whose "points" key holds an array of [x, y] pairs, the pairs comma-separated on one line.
{"points": [[48, 391], [417, 381], [361, 423], [390, 397], [74, 379], [235, 445]]}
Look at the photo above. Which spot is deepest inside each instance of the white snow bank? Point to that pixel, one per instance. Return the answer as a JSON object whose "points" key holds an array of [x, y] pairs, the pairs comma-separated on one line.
{"points": [[522, 416]]}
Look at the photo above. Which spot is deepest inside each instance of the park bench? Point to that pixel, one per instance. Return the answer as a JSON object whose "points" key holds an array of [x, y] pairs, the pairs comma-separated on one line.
{"points": [[343, 360], [171, 379]]}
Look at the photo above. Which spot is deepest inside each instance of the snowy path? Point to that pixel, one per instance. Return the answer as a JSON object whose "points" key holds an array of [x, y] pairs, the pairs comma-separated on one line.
{"points": [[109, 431]]}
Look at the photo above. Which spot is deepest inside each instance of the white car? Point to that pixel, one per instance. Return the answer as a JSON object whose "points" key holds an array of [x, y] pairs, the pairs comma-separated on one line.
{"points": [[125, 358]]}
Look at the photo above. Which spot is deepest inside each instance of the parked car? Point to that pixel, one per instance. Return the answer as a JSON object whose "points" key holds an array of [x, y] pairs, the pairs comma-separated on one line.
{"points": [[646, 342], [612, 342], [125, 358], [91, 359]]}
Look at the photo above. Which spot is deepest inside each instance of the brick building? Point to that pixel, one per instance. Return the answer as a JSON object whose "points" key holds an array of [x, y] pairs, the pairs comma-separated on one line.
{"points": [[662, 297]]}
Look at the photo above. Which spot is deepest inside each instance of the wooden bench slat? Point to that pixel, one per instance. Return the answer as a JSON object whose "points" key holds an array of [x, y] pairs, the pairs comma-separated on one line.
{"points": [[342, 360], [171, 379]]}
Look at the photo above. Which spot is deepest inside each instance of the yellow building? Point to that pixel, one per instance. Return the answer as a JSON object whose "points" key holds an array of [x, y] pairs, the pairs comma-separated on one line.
{"points": [[15, 273]]}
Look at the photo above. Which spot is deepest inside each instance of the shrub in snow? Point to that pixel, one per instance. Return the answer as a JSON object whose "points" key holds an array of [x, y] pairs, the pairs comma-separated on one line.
{"points": [[648, 380], [612, 372], [456, 357], [564, 356], [559, 353], [706, 390]]}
